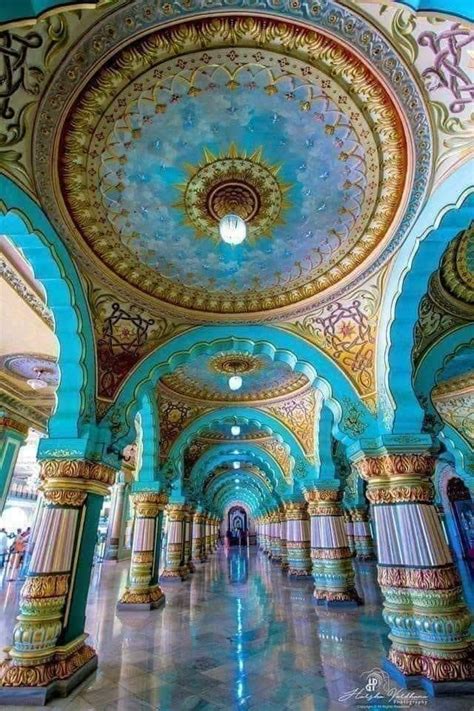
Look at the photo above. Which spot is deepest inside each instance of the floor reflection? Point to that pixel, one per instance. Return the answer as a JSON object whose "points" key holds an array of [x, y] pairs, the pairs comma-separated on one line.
{"points": [[238, 565]]}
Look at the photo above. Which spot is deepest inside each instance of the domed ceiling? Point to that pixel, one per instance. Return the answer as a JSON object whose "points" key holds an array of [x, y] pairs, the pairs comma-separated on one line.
{"points": [[280, 124], [207, 378]]}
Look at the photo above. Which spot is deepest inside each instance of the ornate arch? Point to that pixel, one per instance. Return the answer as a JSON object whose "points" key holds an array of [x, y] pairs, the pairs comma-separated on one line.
{"points": [[25, 224], [408, 281]]}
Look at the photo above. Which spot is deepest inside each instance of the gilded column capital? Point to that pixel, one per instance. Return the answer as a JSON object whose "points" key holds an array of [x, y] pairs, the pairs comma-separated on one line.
{"points": [[176, 512], [296, 510], [359, 515], [398, 478], [148, 504], [324, 502], [77, 475]]}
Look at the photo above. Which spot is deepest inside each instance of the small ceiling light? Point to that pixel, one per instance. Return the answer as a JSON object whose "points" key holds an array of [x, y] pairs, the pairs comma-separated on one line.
{"points": [[237, 481], [236, 465], [232, 229], [235, 430], [235, 382], [37, 383]]}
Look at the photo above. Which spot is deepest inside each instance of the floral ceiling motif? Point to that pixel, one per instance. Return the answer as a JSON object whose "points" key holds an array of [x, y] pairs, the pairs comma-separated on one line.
{"points": [[206, 378], [301, 415], [346, 330], [156, 139], [454, 401]]}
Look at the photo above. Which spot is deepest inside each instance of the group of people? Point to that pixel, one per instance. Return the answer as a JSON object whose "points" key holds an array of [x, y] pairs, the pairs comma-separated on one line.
{"points": [[14, 550]]}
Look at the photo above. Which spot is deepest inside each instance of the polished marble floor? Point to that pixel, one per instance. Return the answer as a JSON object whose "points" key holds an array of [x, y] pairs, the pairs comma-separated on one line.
{"points": [[237, 635]]}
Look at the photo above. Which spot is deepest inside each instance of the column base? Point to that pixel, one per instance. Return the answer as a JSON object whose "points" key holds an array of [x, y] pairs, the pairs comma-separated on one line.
{"points": [[295, 573], [337, 599], [432, 688], [57, 677], [174, 576], [149, 599]]}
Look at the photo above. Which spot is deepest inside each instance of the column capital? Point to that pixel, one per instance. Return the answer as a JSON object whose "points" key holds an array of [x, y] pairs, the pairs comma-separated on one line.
{"points": [[176, 512], [76, 475], [148, 504], [296, 510], [397, 477]]}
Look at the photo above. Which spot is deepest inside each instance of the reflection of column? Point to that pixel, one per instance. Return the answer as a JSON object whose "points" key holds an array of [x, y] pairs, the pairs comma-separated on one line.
{"points": [[143, 591], [349, 530], [267, 537], [203, 556], [298, 539], [196, 542], [12, 436], [332, 565], [363, 543], [283, 536], [116, 525], [423, 606], [175, 567], [49, 654]]}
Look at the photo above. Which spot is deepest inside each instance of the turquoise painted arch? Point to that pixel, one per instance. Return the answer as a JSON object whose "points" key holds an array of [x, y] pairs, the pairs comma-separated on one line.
{"points": [[408, 282], [223, 453], [271, 341], [27, 227], [149, 475], [249, 483], [243, 415]]}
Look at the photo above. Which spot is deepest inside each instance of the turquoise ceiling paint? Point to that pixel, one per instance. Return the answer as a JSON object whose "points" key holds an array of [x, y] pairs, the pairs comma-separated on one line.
{"points": [[18, 10], [461, 363], [459, 8], [324, 165], [200, 377]]}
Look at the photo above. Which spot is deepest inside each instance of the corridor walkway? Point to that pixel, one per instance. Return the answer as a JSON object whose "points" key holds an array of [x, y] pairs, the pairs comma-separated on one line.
{"points": [[238, 635]]}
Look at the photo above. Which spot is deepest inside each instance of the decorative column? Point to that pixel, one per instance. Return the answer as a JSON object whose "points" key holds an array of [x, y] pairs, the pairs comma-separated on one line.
{"points": [[349, 530], [12, 435], [175, 568], [423, 604], [362, 535], [142, 591], [267, 534], [188, 538], [196, 542], [298, 539], [49, 655], [332, 559], [115, 529], [203, 555], [283, 536], [208, 524], [276, 547]]}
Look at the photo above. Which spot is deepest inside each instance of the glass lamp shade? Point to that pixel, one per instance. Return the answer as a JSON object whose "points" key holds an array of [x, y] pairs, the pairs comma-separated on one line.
{"points": [[235, 430], [235, 382], [232, 229], [236, 465], [36, 383]]}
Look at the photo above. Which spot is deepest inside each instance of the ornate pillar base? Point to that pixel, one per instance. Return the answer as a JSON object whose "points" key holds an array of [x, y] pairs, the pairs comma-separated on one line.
{"points": [[34, 684], [149, 598], [432, 688], [172, 575]]}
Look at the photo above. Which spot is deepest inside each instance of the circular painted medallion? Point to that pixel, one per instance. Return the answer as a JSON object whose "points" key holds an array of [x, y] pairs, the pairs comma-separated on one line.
{"points": [[279, 124], [207, 378]]}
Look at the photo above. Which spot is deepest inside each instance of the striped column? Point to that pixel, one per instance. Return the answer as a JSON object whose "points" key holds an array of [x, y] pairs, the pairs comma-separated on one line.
{"points": [[330, 554], [275, 545], [188, 538], [203, 556], [283, 537], [349, 530], [208, 525], [12, 435], [142, 591], [175, 567], [196, 543], [49, 654], [362, 535], [298, 539], [423, 605], [118, 505], [267, 538]]}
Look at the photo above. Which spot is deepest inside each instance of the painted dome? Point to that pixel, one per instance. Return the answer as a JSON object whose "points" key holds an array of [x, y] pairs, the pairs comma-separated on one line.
{"points": [[282, 125]]}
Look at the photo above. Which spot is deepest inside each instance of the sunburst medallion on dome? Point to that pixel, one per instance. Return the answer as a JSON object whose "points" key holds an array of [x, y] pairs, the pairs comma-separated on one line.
{"points": [[207, 378], [281, 124]]}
